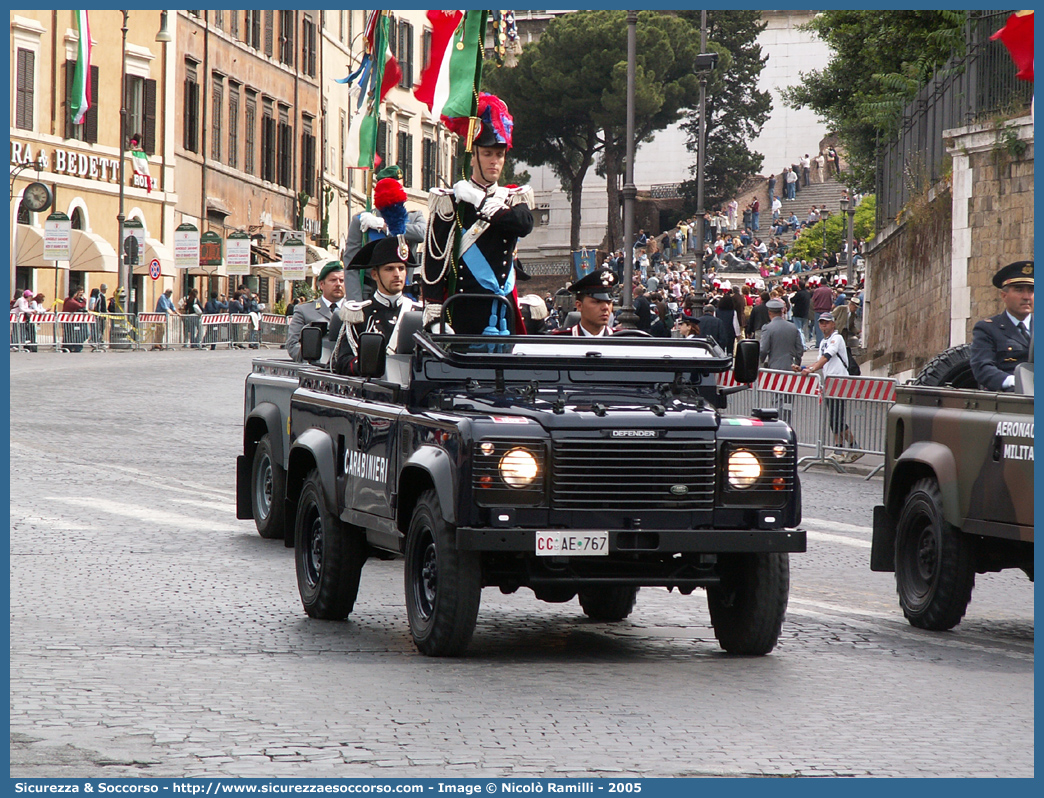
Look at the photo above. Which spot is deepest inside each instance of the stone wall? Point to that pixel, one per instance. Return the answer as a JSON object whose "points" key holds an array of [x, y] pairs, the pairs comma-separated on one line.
{"points": [[1000, 216], [929, 277], [907, 315]]}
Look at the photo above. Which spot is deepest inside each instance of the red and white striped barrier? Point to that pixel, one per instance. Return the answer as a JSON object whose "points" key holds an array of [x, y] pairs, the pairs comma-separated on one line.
{"points": [[870, 389], [273, 318], [70, 318], [152, 318], [726, 379], [793, 383]]}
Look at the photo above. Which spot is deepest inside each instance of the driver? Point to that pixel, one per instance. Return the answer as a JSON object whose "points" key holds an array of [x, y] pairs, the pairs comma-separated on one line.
{"points": [[1001, 342], [594, 303], [387, 259]]}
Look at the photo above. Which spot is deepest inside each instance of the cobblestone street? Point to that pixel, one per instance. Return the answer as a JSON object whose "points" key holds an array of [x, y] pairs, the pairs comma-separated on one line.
{"points": [[153, 634]]}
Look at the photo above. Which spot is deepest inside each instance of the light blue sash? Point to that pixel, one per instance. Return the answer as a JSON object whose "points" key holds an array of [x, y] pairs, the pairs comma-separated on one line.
{"points": [[483, 273]]}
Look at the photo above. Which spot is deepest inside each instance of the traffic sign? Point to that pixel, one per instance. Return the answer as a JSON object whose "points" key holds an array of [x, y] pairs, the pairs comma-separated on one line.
{"points": [[154, 269]]}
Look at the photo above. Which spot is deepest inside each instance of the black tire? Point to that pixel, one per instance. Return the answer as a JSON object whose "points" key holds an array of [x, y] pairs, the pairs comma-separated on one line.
{"points": [[608, 603], [267, 491], [934, 562], [443, 585], [329, 556], [952, 367], [748, 607]]}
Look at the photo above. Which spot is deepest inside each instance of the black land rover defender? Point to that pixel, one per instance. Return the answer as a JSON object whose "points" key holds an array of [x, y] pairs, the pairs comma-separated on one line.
{"points": [[575, 467]]}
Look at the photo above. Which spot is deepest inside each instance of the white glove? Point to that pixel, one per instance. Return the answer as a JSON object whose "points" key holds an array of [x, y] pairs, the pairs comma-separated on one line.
{"points": [[370, 221], [432, 313], [495, 202], [466, 191]]}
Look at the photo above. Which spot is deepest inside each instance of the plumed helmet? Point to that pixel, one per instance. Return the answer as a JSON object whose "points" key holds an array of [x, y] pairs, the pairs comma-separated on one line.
{"points": [[495, 123]]}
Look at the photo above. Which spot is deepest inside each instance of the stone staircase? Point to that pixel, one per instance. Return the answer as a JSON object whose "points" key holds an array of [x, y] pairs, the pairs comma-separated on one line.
{"points": [[828, 193]]}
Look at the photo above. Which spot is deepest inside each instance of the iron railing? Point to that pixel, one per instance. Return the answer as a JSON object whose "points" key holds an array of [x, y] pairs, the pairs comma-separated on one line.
{"points": [[964, 91]]}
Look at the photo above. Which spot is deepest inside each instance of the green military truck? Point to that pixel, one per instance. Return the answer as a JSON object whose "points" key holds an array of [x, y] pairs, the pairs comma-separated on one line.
{"points": [[958, 489]]}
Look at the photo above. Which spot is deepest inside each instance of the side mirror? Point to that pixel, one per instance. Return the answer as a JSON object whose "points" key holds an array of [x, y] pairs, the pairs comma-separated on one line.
{"points": [[745, 364], [373, 352], [311, 344]]}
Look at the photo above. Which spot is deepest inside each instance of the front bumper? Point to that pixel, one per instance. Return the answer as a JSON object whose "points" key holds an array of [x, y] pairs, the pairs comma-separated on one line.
{"points": [[658, 541]]}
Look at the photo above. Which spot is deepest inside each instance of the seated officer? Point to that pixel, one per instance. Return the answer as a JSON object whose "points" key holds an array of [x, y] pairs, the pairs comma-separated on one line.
{"points": [[594, 303], [387, 259], [1001, 342]]}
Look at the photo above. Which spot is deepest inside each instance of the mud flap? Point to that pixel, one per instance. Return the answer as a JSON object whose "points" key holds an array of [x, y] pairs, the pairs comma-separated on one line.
{"points": [[243, 509], [882, 545]]}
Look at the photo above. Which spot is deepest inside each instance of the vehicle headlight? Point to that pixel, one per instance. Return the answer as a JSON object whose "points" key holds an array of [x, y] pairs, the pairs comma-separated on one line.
{"points": [[518, 468], [744, 469]]}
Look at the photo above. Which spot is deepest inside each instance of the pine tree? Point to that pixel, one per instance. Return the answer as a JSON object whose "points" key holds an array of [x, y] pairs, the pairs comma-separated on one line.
{"points": [[736, 109]]}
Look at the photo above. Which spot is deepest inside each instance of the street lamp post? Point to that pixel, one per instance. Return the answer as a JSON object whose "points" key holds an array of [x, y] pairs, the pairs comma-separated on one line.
{"points": [[627, 319], [851, 242], [704, 63], [823, 217], [122, 278]]}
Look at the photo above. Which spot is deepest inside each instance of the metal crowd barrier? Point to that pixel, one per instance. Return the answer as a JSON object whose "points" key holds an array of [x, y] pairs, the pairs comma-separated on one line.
{"points": [[273, 330], [801, 403], [866, 401], [797, 398]]}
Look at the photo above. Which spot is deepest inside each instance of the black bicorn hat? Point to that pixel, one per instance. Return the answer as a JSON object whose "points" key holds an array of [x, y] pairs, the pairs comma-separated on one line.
{"points": [[598, 285], [1019, 272], [390, 249]]}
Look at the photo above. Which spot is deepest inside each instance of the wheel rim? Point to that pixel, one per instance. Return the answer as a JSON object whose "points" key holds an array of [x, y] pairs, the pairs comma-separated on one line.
{"points": [[920, 560], [426, 575], [263, 487], [314, 551]]}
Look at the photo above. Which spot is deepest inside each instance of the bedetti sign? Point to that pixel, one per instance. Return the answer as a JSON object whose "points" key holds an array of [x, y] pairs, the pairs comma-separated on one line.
{"points": [[74, 164]]}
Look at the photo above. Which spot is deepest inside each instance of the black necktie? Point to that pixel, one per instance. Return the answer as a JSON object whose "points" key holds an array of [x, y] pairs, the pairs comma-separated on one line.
{"points": [[333, 308], [1023, 332]]}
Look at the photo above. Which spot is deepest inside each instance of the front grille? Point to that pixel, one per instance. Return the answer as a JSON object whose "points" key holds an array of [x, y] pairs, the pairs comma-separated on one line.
{"points": [[632, 474]]}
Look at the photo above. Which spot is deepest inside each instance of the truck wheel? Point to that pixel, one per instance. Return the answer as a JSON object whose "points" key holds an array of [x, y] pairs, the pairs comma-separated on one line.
{"points": [[443, 584], [267, 490], [747, 608], [934, 562], [329, 556], [951, 367], [608, 603]]}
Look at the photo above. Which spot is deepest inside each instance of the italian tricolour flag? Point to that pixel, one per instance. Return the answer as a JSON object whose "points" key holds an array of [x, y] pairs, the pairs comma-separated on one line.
{"points": [[80, 99], [449, 85]]}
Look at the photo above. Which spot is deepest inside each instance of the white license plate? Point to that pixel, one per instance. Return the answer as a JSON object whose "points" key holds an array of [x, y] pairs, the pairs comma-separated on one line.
{"points": [[572, 543]]}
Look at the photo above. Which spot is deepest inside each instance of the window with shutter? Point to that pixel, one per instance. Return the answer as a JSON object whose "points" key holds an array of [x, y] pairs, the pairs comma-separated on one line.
{"points": [[382, 140], [149, 130], [233, 125], [217, 101], [286, 37], [344, 143], [90, 121], [233, 24], [191, 111], [24, 102], [269, 31], [250, 123]]}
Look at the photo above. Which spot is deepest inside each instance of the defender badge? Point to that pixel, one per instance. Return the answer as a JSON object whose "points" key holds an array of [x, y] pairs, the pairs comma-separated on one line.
{"points": [[679, 490]]}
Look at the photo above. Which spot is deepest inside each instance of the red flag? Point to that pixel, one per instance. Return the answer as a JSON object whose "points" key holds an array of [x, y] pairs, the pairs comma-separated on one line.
{"points": [[1017, 36]]}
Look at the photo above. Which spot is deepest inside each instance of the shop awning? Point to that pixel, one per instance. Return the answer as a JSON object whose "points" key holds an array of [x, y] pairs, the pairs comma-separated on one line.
{"points": [[314, 254], [92, 253], [155, 249]]}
